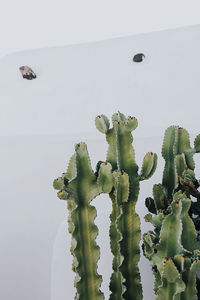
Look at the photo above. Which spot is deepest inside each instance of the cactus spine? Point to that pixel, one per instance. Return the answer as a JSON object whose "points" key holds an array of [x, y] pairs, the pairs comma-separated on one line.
{"points": [[125, 231], [173, 247], [79, 186]]}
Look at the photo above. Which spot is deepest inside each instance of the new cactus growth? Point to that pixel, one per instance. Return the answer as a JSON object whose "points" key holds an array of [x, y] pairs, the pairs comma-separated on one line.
{"points": [[173, 247], [125, 230], [79, 186]]}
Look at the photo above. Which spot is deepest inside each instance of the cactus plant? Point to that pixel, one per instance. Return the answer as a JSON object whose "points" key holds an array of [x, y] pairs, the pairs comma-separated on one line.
{"points": [[125, 230], [119, 177], [174, 247], [79, 186]]}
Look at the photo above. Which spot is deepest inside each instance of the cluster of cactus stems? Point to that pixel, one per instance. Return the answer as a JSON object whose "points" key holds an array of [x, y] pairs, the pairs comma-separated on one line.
{"points": [[118, 176], [173, 246]]}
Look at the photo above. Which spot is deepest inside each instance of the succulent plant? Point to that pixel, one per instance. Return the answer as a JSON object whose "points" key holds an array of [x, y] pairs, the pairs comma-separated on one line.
{"points": [[125, 233], [79, 186], [173, 247]]}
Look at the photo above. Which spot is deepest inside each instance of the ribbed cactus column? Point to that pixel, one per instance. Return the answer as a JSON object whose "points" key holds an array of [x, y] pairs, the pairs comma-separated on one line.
{"points": [[116, 280], [79, 186], [174, 247], [125, 223]]}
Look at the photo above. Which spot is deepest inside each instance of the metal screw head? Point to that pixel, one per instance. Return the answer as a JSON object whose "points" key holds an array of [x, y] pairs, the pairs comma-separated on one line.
{"points": [[139, 57]]}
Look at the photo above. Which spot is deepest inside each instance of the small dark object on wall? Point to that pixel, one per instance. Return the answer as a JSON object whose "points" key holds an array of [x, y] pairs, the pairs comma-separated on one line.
{"points": [[27, 72], [139, 57]]}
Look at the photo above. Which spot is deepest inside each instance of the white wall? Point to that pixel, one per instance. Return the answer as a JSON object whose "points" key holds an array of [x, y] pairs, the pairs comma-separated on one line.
{"points": [[40, 121], [76, 83], [26, 24]]}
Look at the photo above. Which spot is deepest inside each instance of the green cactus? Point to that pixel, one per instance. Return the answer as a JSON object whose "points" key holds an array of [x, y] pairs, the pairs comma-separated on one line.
{"points": [[173, 247], [79, 186], [125, 231]]}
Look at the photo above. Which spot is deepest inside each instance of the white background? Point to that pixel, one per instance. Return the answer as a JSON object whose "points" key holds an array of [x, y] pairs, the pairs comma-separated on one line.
{"points": [[26, 24]]}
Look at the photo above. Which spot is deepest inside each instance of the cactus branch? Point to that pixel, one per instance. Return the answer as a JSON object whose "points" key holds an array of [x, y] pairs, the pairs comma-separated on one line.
{"points": [[124, 220], [80, 186]]}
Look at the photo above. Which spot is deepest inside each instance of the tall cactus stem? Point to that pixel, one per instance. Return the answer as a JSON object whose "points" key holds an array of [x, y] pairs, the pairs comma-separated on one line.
{"points": [[80, 186], [124, 197]]}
